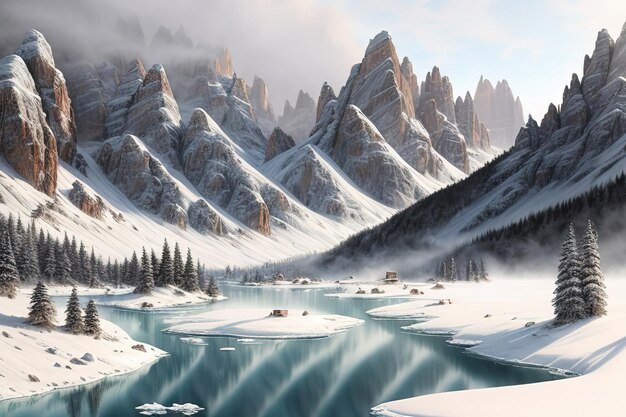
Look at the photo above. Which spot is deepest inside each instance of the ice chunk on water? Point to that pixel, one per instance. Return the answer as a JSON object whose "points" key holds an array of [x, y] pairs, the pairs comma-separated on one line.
{"points": [[187, 409]]}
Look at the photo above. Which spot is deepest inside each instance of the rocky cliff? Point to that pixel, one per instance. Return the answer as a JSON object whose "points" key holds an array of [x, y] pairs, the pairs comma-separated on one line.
{"points": [[298, 121], [260, 101]]}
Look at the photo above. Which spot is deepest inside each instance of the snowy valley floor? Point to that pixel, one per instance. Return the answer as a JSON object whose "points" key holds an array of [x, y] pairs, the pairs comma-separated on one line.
{"points": [[34, 360], [493, 317]]}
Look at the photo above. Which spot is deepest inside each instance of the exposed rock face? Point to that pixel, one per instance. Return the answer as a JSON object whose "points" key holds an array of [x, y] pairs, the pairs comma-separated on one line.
{"points": [[223, 63], [91, 205], [90, 89], [142, 178], [278, 143], [473, 130], [438, 88], [50, 84], [366, 158], [407, 71], [26, 141], [447, 140], [154, 115], [298, 121], [501, 113], [618, 60], [260, 101], [211, 164], [597, 71], [117, 108], [327, 94], [204, 219]]}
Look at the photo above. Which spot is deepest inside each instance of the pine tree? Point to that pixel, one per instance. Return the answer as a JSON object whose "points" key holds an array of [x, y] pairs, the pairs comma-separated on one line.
{"points": [[452, 269], [201, 274], [178, 266], [42, 311], [484, 276], [93, 269], [42, 249], [28, 264], [593, 288], [74, 314], [9, 276], [146, 280], [63, 267], [469, 271], [115, 274], [84, 269], [568, 301], [154, 261], [166, 269], [133, 272], [190, 275], [212, 289], [92, 321]]}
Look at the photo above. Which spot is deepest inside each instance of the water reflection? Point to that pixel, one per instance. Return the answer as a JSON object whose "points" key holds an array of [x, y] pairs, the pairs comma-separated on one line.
{"points": [[340, 376]]}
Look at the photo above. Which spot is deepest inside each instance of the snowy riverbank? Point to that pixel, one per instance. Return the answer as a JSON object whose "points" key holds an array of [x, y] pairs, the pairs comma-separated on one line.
{"points": [[257, 323], [34, 360], [499, 317], [160, 298], [378, 290]]}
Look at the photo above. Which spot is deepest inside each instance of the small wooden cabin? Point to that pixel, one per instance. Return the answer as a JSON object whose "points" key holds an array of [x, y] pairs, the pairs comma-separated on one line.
{"points": [[280, 313], [390, 277]]}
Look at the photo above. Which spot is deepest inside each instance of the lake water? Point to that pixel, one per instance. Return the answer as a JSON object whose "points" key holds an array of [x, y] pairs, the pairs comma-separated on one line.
{"points": [[341, 376]]}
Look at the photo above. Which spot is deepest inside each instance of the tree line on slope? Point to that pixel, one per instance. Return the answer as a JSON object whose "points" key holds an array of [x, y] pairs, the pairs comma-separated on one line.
{"points": [[30, 255]]}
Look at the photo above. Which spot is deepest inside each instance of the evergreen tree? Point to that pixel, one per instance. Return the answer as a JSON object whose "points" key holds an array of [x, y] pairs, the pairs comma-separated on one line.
{"points": [[115, 274], [92, 321], [154, 261], [452, 269], [190, 275], [42, 311], [124, 271], [63, 267], [74, 314], [201, 274], [593, 288], [133, 272], [484, 276], [178, 266], [75, 259], [9, 276], [568, 301], [469, 270], [84, 269], [93, 269], [13, 236], [42, 250], [28, 264], [166, 269], [146, 280], [212, 289]]}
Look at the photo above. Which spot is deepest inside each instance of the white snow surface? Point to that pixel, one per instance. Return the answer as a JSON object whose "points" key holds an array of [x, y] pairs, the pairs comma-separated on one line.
{"points": [[186, 409], [160, 297], [257, 323], [593, 348], [23, 353]]}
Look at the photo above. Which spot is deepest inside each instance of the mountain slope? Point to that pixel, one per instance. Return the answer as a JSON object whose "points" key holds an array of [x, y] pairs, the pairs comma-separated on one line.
{"points": [[570, 151]]}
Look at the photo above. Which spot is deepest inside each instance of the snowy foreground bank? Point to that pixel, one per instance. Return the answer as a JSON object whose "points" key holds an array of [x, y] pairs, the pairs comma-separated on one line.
{"points": [[34, 360], [160, 298], [257, 323], [507, 320]]}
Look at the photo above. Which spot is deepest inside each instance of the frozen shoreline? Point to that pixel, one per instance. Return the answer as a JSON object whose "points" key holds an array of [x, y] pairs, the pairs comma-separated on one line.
{"points": [[495, 315], [35, 361], [160, 298], [257, 324]]}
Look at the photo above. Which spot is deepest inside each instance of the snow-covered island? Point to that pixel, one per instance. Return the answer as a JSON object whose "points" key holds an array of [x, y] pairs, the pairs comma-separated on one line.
{"points": [[160, 298], [35, 360], [508, 320], [262, 324]]}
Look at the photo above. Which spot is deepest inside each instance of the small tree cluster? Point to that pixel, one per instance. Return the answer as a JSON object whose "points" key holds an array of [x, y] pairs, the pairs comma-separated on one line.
{"points": [[580, 290]]}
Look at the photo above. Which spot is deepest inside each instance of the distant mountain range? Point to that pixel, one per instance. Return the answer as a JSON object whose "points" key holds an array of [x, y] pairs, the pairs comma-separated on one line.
{"points": [[118, 152]]}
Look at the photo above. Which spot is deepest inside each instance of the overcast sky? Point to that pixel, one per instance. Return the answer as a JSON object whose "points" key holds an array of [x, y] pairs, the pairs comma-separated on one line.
{"points": [[535, 44]]}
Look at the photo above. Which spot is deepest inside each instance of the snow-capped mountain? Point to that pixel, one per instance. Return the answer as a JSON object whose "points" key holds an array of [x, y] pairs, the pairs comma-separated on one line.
{"points": [[577, 146], [120, 154]]}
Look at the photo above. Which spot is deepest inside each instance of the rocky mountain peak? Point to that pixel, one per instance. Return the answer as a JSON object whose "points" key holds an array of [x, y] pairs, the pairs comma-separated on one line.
{"points": [[259, 95], [406, 68], [440, 89], [299, 120], [618, 60], [326, 94], [26, 141], [50, 83], [223, 63], [597, 71], [304, 101], [181, 39], [278, 143]]}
